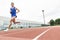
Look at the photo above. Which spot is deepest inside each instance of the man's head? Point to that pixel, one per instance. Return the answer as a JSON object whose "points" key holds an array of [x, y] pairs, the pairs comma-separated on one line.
{"points": [[12, 4]]}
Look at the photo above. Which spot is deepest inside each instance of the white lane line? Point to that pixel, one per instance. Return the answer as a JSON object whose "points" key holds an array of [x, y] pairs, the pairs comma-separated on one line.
{"points": [[36, 38]]}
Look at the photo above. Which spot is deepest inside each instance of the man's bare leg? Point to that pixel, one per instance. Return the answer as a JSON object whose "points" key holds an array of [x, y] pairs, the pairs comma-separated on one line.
{"points": [[15, 21], [10, 23]]}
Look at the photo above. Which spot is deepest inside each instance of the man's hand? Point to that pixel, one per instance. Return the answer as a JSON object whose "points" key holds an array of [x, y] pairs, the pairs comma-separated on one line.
{"points": [[10, 12]]}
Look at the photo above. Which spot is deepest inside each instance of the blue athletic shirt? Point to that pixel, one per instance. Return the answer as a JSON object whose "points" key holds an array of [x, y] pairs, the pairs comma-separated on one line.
{"points": [[13, 11]]}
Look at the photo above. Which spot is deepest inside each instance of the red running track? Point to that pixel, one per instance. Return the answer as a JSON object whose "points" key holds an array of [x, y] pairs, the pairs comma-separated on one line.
{"points": [[31, 33]]}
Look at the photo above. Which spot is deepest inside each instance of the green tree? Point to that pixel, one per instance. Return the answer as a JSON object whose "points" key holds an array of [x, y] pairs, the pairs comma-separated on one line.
{"points": [[57, 21], [52, 22]]}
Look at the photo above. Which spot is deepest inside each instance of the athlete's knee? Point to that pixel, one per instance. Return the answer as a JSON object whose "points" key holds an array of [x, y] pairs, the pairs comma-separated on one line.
{"points": [[10, 23], [14, 22]]}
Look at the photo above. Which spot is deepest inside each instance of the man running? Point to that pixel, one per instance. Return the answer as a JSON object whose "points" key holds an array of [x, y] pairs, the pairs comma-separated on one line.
{"points": [[13, 11]]}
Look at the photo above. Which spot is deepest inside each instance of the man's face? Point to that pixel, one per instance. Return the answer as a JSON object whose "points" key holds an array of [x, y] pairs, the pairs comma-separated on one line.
{"points": [[12, 4]]}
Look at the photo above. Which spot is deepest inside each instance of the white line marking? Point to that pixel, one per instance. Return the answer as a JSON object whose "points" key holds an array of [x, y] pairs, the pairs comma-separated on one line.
{"points": [[36, 38]]}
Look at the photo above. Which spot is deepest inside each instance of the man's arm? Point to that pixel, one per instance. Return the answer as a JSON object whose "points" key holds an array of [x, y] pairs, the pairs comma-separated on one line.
{"points": [[17, 10]]}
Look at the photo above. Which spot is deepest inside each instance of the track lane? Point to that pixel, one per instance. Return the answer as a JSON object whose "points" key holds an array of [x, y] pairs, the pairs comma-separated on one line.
{"points": [[53, 34], [29, 33]]}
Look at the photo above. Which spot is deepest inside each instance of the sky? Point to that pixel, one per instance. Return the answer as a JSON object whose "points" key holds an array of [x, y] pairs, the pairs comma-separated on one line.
{"points": [[32, 9]]}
